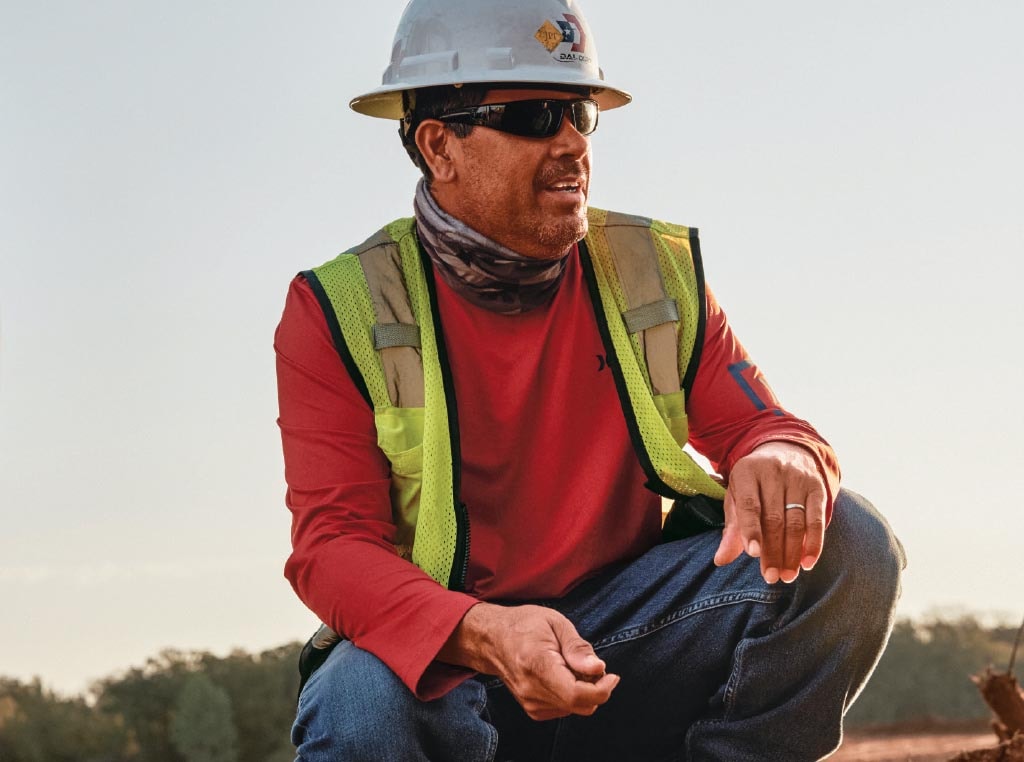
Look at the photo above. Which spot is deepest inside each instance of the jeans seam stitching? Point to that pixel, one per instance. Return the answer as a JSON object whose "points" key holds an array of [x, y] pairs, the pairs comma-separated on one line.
{"points": [[717, 601], [734, 678]]}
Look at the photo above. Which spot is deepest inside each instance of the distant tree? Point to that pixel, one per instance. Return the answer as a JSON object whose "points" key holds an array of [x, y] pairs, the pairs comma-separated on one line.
{"points": [[36, 725], [263, 691], [202, 729], [144, 698], [924, 673]]}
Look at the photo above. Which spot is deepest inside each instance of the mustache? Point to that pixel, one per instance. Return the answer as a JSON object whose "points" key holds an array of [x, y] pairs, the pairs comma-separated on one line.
{"points": [[569, 169]]}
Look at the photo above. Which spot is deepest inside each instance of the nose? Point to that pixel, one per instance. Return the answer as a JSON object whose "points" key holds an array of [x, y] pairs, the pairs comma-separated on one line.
{"points": [[568, 141]]}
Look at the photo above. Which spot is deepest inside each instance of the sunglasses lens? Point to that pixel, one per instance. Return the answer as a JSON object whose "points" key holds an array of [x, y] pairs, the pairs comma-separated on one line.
{"points": [[584, 116], [531, 119], [543, 118], [544, 121]]}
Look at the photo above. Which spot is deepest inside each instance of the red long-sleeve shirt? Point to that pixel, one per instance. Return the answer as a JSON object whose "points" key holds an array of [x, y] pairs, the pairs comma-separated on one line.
{"points": [[553, 487]]}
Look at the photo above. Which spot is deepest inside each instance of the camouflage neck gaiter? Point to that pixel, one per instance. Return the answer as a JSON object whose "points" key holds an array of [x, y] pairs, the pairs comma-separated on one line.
{"points": [[481, 270]]}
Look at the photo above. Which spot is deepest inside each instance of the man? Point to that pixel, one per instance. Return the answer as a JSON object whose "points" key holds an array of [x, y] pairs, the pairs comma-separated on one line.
{"points": [[481, 408]]}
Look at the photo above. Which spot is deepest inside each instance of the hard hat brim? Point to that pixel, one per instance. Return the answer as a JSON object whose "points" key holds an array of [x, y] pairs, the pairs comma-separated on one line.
{"points": [[386, 102]]}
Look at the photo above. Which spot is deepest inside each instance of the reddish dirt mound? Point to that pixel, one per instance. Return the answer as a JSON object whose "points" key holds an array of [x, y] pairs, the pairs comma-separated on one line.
{"points": [[910, 747]]}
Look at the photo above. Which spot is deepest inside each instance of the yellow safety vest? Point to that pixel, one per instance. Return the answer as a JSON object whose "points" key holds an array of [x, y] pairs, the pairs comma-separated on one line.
{"points": [[646, 283]]}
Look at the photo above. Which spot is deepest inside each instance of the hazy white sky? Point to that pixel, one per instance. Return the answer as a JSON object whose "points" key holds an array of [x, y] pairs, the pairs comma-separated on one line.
{"points": [[856, 170]]}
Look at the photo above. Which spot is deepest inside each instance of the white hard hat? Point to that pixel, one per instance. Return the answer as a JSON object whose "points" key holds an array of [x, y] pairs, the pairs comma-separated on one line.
{"points": [[457, 42]]}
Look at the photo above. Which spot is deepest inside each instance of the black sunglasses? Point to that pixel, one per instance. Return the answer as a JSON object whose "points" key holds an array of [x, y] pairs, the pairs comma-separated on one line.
{"points": [[540, 118]]}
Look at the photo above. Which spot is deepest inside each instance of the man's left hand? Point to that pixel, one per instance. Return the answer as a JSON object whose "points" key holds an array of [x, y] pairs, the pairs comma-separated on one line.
{"points": [[757, 520]]}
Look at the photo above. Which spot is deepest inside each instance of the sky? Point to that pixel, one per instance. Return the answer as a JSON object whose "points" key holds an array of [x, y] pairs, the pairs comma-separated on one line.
{"points": [[856, 171]]}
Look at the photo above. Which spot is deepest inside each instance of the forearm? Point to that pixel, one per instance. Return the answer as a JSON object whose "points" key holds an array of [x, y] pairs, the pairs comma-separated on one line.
{"points": [[732, 410]]}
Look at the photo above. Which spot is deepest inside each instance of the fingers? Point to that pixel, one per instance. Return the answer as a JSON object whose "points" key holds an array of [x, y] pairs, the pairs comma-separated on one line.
{"points": [[745, 497], [579, 654], [549, 668], [576, 698], [775, 510], [814, 532], [587, 697], [773, 528], [590, 671], [795, 519], [731, 544], [553, 690]]}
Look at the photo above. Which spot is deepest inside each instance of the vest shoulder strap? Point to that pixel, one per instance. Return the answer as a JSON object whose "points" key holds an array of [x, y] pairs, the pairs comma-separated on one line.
{"points": [[650, 314], [648, 291], [658, 289], [366, 286]]}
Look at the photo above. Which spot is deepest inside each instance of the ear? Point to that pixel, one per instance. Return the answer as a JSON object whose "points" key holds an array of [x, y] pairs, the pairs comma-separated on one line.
{"points": [[435, 142]]}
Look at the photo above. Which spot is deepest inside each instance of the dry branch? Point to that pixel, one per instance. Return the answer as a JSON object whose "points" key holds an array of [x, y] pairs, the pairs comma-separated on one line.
{"points": [[1003, 695], [1007, 751]]}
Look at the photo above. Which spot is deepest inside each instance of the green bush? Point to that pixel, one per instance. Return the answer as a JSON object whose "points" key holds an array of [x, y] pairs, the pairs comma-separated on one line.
{"points": [[925, 672]]}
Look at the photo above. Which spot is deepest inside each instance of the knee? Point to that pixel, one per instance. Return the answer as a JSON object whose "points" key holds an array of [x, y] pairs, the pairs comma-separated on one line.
{"points": [[350, 705], [861, 543]]}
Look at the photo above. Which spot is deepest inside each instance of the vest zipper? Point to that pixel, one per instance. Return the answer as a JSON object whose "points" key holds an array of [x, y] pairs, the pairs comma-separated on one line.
{"points": [[460, 565]]}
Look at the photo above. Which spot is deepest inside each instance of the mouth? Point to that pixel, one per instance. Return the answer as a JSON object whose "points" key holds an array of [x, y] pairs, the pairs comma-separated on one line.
{"points": [[564, 184], [566, 187]]}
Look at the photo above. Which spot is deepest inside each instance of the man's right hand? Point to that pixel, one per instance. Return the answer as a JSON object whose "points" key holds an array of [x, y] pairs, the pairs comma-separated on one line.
{"points": [[537, 653]]}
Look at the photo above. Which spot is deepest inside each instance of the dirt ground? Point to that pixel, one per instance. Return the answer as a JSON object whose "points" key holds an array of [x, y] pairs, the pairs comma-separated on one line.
{"points": [[910, 747]]}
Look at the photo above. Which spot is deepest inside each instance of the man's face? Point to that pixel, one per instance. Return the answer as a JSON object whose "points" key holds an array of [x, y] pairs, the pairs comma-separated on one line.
{"points": [[529, 194]]}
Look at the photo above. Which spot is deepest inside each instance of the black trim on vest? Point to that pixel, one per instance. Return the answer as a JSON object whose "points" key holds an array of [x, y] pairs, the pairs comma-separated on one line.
{"points": [[339, 339], [460, 563], [702, 315], [654, 482]]}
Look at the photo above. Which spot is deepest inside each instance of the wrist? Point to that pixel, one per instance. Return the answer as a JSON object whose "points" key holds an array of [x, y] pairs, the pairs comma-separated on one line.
{"points": [[471, 643]]}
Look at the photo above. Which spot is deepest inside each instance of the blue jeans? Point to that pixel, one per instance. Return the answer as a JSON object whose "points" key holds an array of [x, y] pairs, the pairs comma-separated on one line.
{"points": [[715, 664]]}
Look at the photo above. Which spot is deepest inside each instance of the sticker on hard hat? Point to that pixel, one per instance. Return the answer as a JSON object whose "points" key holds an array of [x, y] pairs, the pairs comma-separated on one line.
{"points": [[570, 31], [550, 36]]}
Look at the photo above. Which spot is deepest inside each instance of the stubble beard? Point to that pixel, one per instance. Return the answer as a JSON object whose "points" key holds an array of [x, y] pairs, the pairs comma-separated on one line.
{"points": [[557, 236]]}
